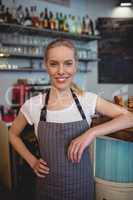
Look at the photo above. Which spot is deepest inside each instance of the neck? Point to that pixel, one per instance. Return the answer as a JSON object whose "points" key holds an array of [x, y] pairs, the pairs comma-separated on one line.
{"points": [[60, 97], [55, 91]]}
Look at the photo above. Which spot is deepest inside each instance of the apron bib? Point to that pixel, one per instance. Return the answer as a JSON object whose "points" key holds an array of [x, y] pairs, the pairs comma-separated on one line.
{"points": [[66, 180]]}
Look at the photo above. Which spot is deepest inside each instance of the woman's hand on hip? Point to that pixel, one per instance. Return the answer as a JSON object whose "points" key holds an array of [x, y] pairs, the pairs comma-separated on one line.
{"points": [[40, 168], [77, 146]]}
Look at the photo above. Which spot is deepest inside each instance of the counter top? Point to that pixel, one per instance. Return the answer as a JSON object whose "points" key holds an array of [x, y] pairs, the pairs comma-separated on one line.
{"points": [[126, 134]]}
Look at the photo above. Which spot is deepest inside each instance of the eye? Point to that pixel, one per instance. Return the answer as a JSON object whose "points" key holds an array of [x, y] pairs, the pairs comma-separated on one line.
{"points": [[68, 63], [53, 64]]}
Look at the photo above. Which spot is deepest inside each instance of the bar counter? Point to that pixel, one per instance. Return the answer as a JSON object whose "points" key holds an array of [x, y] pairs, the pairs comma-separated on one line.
{"points": [[126, 134]]}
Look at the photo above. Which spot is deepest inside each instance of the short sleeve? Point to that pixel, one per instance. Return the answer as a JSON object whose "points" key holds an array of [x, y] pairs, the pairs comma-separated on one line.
{"points": [[26, 110], [91, 100]]}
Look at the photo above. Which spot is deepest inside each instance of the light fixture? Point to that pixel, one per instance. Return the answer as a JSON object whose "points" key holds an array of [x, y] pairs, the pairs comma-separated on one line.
{"points": [[125, 3]]}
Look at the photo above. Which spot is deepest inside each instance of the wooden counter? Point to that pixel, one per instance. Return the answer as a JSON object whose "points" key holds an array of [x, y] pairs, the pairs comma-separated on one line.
{"points": [[126, 134]]}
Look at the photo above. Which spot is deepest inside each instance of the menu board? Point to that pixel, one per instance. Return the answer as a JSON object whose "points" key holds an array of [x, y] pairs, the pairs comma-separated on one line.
{"points": [[115, 51]]}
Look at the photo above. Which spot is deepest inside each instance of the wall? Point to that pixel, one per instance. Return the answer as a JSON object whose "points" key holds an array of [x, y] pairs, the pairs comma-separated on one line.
{"points": [[95, 9], [106, 8]]}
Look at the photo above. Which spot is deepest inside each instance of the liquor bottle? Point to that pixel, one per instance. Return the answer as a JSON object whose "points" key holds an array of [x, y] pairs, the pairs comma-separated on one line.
{"points": [[34, 16], [92, 27], [88, 26], [46, 19], [13, 11], [41, 19], [27, 18], [51, 21], [83, 26], [20, 15], [54, 22], [8, 16], [79, 25], [66, 27], [61, 22], [73, 25], [2, 12], [70, 23], [57, 21]]}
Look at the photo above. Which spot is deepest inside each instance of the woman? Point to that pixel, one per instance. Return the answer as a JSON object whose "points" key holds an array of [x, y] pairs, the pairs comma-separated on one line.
{"points": [[62, 118]]}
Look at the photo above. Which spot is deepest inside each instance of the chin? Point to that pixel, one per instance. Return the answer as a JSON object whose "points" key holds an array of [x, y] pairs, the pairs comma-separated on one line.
{"points": [[61, 86]]}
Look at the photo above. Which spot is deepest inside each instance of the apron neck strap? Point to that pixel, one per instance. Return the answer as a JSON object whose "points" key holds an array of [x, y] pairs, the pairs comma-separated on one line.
{"points": [[44, 109], [78, 105]]}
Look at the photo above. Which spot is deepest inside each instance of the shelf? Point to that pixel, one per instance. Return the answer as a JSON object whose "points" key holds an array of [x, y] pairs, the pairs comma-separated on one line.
{"points": [[38, 84], [15, 44], [22, 70], [41, 57], [35, 70], [89, 60], [14, 28], [21, 56]]}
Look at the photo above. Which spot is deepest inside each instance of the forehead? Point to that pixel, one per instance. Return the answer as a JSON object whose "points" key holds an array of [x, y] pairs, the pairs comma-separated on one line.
{"points": [[61, 52]]}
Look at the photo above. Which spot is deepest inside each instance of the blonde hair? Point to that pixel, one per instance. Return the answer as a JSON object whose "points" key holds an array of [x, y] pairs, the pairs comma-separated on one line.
{"points": [[69, 44]]}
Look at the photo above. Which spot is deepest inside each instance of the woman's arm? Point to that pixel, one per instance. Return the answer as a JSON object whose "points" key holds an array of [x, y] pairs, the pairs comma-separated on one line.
{"points": [[38, 165], [121, 119]]}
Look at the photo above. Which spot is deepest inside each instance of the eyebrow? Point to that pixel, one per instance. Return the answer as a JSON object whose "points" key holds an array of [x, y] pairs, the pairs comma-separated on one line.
{"points": [[69, 60]]}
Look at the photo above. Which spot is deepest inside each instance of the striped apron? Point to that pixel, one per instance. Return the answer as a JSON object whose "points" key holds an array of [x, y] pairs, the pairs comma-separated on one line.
{"points": [[66, 180]]}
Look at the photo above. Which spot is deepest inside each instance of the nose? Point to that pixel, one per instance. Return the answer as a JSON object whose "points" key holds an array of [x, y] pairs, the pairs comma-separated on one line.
{"points": [[61, 69]]}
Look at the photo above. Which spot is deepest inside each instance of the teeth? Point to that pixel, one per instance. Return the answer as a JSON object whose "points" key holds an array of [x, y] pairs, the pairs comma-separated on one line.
{"points": [[61, 79]]}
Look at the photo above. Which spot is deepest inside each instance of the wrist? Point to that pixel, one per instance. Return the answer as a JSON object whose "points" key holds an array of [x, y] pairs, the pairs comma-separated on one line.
{"points": [[91, 134], [32, 161]]}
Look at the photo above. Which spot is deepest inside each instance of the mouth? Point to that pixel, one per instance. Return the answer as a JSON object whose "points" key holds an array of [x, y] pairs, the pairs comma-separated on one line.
{"points": [[61, 79]]}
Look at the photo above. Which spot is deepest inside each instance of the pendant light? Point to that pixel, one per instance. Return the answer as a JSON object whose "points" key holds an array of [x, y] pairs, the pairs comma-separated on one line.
{"points": [[125, 3]]}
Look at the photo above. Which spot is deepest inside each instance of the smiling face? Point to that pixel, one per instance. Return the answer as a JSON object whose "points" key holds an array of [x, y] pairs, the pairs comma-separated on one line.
{"points": [[61, 66]]}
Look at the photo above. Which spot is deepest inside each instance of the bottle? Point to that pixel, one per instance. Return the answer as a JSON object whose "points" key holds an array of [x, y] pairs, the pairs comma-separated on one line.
{"points": [[46, 19], [79, 25], [89, 30], [20, 15], [61, 22], [73, 25], [13, 11], [8, 16], [1, 12], [54, 22], [92, 27], [51, 21], [41, 19], [57, 22], [27, 18], [70, 23], [34, 16], [83, 26], [66, 27]]}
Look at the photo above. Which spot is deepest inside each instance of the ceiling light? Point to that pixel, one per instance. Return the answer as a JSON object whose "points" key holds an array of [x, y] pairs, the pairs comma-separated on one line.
{"points": [[125, 3]]}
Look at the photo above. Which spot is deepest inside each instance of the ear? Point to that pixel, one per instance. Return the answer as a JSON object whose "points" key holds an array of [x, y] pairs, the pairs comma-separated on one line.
{"points": [[45, 65], [76, 65]]}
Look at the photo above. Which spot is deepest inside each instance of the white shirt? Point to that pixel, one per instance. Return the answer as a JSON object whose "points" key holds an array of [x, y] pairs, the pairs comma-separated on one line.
{"points": [[31, 109]]}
